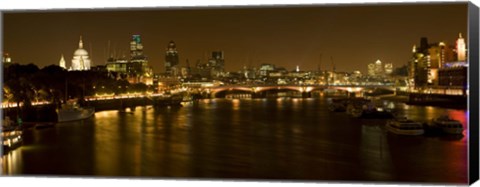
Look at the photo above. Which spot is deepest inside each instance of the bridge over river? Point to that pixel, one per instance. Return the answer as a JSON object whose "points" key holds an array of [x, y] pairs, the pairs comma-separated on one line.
{"points": [[304, 90]]}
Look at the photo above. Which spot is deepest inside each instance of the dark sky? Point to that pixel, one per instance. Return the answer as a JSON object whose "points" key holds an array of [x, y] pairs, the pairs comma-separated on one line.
{"points": [[352, 36]]}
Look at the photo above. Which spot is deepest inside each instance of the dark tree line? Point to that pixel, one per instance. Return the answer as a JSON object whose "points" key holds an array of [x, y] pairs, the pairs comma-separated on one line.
{"points": [[27, 84]]}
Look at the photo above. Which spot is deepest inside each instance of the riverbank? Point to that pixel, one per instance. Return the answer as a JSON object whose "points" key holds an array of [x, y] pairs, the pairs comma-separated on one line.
{"points": [[448, 102]]}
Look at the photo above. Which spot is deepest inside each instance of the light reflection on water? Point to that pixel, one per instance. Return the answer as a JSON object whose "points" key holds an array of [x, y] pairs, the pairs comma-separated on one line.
{"points": [[254, 138]]}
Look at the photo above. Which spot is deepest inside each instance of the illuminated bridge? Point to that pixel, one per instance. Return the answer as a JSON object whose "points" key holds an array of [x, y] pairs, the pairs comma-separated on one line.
{"points": [[304, 89]]}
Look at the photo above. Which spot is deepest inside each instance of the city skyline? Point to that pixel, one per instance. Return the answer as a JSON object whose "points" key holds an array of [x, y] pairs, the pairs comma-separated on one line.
{"points": [[284, 36]]}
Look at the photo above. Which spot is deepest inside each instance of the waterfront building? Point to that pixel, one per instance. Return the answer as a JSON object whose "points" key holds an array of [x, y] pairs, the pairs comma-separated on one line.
{"points": [[429, 59], [80, 60], [441, 53], [418, 73], [453, 76], [423, 68], [163, 82], [171, 58], [62, 63], [461, 49]]}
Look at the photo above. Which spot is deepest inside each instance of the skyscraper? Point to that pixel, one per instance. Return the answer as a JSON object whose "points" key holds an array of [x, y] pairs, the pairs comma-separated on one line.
{"points": [[138, 65], [171, 58], [136, 47], [378, 68], [388, 68], [371, 69], [217, 62]]}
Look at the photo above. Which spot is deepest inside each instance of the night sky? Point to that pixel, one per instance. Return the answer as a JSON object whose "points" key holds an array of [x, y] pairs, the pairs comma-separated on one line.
{"points": [[352, 36]]}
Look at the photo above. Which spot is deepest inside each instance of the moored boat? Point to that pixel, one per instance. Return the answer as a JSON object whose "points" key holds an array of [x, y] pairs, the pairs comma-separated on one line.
{"points": [[368, 108], [71, 111], [447, 125], [44, 125], [404, 126], [337, 105], [11, 136]]}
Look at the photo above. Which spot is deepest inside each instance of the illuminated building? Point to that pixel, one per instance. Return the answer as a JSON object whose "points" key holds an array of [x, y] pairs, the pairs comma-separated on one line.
{"points": [[378, 68], [135, 69], [388, 68], [217, 63], [171, 58], [265, 69], [453, 80], [117, 65], [80, 60], [136, 47], [371, 69], [461, 49], [430, 61], [62, 63], [138, 61], [446, 54], [249, 73], [418, 65], [217, 60], [6, 58]]}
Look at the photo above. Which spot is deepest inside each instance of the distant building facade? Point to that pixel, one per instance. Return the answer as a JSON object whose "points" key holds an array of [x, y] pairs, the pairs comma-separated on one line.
{"points": [[438, 65], [379, 70], [80, 60], [461, 48], [136, 69], [171, 59], [6, 58], [217, 63], [388, 68]]}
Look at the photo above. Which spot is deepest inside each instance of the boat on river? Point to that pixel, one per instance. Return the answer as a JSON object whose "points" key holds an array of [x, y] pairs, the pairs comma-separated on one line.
{"points": [[337, 104], [404, 126], [368, 108], [11, 135], [71, 111], [447, 125]]}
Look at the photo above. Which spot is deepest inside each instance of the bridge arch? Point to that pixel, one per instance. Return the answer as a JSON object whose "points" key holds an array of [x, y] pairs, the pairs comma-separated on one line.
{"points": [[215, 92], [304, 89]]}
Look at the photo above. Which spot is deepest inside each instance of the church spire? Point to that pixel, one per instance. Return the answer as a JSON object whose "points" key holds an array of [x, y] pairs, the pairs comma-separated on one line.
{"points": [[80, 43], [62, 62]]}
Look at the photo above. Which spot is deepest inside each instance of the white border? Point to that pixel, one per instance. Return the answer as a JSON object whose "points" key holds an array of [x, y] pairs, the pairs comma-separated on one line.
{"points": [[8, 5]]}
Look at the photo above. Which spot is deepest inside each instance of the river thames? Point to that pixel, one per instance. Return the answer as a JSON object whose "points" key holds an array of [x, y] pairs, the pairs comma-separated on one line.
{"points": [[253, 139]]}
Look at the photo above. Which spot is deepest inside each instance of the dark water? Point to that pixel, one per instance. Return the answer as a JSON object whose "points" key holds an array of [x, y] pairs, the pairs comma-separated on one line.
{"points": [[288, 139]]}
